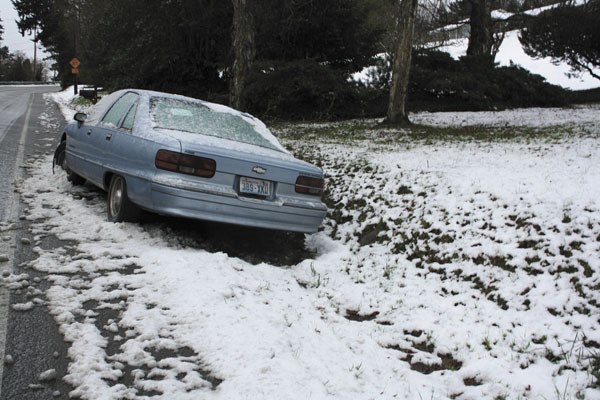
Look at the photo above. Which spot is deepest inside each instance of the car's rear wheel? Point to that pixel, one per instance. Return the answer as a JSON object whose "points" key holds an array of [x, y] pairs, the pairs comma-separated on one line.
{"points": [[118, 206]]}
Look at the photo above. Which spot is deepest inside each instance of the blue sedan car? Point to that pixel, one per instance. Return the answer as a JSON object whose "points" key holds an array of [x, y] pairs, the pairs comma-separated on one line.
{"points": [[179, 156]]}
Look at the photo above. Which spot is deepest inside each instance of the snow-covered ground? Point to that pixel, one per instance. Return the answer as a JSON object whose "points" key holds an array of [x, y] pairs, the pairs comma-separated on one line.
{"points": [[451, 266]]}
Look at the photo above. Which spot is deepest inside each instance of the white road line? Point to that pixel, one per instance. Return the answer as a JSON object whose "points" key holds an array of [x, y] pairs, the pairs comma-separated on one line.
{"points": [[8, 247]]}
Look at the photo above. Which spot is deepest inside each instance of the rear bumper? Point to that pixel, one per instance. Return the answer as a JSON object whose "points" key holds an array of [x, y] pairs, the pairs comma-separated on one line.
{"points": [[285, 214]]}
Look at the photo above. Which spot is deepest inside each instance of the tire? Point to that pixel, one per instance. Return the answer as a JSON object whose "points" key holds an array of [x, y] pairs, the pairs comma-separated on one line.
{"points": [[118, 206], [59, 155], [60, 159]]}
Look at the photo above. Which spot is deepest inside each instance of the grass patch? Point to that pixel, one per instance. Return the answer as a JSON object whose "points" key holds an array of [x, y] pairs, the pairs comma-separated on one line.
{"points": [[370, 234], [502, 262], [445, 238], [354, 315], [79, 102], [402, 190], [587, 270], [527, 244], [373, 132], [472, 381]]}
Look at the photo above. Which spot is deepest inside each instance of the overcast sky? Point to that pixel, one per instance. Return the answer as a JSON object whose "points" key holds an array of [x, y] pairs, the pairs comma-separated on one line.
{"points": [[11, 37]]}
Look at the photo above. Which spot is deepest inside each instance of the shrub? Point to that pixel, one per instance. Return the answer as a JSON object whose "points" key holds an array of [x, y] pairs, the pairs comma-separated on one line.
{"points": [[302, 89], [585, 96], [440, 83], [309, 90]]}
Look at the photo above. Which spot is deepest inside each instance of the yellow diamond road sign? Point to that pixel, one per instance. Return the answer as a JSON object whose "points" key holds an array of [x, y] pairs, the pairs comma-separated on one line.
{"points": [[75, 63]]}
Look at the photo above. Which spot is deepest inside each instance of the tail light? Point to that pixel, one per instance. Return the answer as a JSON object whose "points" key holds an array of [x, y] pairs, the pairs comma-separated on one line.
{"points": [[308, 185], [185, 163]]}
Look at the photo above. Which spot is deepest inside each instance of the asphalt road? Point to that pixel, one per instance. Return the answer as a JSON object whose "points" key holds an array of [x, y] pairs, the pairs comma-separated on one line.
{"points": [[29, 340]]}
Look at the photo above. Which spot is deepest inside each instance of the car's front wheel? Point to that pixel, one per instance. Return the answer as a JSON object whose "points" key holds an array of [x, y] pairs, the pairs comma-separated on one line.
{"points": [[60, 159], [118, 206]]}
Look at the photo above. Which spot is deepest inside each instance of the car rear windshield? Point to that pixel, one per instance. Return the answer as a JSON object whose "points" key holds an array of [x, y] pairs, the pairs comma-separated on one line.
{"points": [[197, 118]]}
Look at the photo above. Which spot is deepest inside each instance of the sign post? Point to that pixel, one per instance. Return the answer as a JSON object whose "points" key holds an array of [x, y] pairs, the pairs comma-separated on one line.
{"points": [[75, 63]]}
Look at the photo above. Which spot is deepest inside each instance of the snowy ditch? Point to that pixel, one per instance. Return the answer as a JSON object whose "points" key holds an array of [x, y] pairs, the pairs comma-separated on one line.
{"points": [[447, 268]]}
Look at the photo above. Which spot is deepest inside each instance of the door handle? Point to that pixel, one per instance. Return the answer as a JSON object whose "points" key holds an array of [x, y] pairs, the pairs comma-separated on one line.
{"points": [[89, 132], [108, 136]]}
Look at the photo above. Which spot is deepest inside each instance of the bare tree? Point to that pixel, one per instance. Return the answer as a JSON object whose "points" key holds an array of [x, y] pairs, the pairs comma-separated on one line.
{"points": [[397, 114], [432, 19], [244, 48]]}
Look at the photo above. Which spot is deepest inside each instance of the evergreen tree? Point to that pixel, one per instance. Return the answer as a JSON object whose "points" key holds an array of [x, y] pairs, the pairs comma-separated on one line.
{"points": [[568, 34], [33, 14], [305, 53], [334, 32], [187, 47], [485, 35], [180, 45], [15, 66], [52, 19]]}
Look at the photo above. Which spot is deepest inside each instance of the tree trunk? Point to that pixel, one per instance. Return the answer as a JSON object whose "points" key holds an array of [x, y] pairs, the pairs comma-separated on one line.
{"points": [[244, 50], [481, 38], [401, 69]]}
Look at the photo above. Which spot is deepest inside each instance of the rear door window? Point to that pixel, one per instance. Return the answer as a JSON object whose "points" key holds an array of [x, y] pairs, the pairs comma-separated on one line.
{"points": [[130, 117], [118, 110]]}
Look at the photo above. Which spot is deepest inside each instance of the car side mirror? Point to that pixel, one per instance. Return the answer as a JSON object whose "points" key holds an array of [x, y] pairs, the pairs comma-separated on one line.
{"points": [[80, 117]]}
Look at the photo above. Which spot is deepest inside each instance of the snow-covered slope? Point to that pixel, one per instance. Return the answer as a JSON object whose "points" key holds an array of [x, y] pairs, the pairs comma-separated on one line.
{"points": [[511, 52]]}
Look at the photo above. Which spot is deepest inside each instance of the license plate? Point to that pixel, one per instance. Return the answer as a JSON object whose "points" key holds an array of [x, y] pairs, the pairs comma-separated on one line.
{"points": [[255, 186]]}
